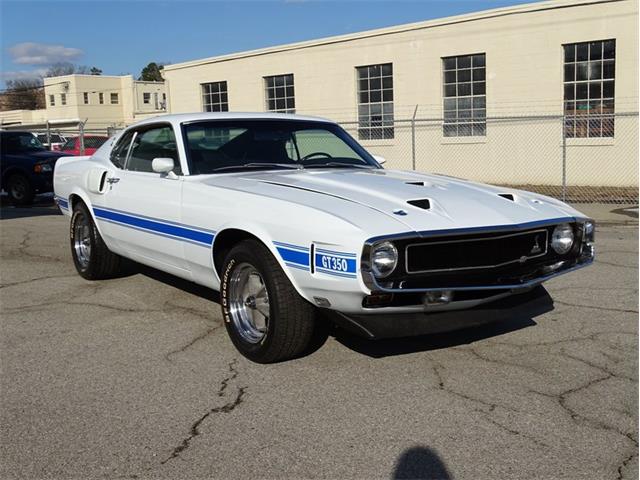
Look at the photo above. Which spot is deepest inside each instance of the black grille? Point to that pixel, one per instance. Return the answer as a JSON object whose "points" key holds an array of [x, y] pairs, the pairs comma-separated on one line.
{"points": [[446, 255]]}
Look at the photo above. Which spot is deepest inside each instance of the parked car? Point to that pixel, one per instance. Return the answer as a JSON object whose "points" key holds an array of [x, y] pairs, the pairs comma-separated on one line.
{"points": [[55, 143], [91, 144], [26, 166], [288, 216]]}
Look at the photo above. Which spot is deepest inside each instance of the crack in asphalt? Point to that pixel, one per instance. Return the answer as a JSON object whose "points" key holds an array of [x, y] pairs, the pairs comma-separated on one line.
{"points": [[228, 407], [624, 463], [437, 367], [511, 431], [24, 282], [476, 354], [619, 265], [23, 246], [596, 367], [593, 337], [595, 307], [562, 399], [192, 342]]}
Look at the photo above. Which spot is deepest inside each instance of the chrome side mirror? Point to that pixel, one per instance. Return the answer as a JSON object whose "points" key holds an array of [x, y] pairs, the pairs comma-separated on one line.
{"points": [[164, 165]]}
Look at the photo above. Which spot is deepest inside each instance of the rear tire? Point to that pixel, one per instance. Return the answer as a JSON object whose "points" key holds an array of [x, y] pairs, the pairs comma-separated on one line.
{"points": [[20, 189], [91, 257], [266, 318]]}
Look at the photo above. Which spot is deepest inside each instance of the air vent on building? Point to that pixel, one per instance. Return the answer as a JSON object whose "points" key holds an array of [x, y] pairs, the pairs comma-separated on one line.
{"points": [[425, 204]]}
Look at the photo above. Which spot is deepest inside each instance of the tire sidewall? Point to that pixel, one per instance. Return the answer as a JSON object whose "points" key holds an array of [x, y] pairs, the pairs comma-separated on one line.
{"points": [[78, 211], [238, 255], [28, 194]]}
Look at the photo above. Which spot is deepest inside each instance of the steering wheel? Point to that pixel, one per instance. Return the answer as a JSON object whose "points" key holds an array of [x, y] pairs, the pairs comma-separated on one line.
{"points": [[315, 154]]}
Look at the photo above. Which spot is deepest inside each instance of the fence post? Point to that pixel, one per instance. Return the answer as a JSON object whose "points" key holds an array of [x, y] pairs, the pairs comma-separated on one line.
{"points": [[81, 128], [49, 135], [413, 138], [564, 160]]}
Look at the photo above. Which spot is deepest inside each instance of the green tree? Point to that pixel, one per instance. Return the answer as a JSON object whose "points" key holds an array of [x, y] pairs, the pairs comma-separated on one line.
{"points": [[152, 73], [95, 71]]}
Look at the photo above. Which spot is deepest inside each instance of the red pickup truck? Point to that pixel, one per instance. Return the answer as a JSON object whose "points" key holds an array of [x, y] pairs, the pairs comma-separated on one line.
{"points": [[91, 144]]}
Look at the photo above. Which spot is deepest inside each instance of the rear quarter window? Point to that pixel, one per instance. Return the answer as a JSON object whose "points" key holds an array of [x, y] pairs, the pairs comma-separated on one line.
{"points": [[119, 152]]}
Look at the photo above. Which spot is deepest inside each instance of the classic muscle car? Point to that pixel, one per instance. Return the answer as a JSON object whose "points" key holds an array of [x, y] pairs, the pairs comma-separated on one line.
{"points": [[294, 222]]}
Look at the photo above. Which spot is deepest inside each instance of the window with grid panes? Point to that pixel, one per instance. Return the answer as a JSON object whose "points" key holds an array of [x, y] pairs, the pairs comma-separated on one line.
{"points": [[465, 113], [375, 102], [589, 88], [280, 94], [215, 97]]}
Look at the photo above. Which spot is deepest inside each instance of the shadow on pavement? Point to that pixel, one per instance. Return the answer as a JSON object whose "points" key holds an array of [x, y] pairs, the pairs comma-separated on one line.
{"points": [[168, 279], [420, 463], [42, 206], [372, 348], [434, 341]]}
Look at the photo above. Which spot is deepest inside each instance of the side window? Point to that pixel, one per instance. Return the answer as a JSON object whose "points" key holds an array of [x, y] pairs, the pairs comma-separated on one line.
{"points": [[119, 152], [153, 143]]}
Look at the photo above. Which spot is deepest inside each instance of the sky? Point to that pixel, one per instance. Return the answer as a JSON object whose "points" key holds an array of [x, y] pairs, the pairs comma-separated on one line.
{"points": [[122, 36]]}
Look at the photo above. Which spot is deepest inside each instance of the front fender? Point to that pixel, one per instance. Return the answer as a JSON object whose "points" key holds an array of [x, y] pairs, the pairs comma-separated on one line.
{"points": [[264, 236]]}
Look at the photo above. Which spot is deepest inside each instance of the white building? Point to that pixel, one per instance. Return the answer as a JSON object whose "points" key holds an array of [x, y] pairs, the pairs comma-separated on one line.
{"points": [[558, 60]]}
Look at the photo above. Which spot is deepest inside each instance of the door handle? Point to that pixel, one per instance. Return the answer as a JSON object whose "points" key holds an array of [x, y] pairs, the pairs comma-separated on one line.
{"points": [[112, 180]]}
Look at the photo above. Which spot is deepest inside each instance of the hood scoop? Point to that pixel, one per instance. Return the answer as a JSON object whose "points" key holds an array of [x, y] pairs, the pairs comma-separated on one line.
{"points": [[424, 203], [508, 196], [418, 184]]}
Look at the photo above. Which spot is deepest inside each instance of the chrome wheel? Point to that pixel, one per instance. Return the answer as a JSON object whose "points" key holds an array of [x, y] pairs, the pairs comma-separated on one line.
{"points": [[249, 303], [82, 240]]}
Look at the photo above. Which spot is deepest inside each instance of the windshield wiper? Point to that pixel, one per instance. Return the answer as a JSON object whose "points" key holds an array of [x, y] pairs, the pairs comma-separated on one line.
{"points": [[337, 165], [256, 165]]}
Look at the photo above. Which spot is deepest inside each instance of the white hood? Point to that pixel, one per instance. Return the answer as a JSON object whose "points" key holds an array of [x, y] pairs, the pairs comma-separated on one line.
{"points": [[453, 203]]}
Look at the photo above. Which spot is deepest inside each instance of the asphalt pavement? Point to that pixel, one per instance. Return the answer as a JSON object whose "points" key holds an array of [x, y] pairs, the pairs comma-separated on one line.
{"points": [[135, 378]]}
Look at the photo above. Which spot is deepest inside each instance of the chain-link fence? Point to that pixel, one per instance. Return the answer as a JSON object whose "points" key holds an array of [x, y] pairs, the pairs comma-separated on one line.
{"points": [[577, 159]]}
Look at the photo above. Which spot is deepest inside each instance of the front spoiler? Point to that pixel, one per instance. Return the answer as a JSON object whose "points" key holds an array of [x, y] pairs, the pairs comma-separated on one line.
{"points": [[517, 306]]}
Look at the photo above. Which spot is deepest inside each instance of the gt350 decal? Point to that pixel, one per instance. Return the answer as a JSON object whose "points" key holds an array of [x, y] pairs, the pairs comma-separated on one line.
{"points": [[335, 263]]}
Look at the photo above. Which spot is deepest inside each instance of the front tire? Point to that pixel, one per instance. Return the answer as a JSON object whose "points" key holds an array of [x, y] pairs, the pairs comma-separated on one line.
{"points": [[91, 257], [264, 315], [20, 189]]}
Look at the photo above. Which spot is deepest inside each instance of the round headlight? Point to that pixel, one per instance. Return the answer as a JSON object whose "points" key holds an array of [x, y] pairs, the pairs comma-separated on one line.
{"points": [[384, 258], [562, 239]]}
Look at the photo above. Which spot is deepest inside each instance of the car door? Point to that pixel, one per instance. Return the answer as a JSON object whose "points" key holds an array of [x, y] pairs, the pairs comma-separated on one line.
{"points": [[142, 207]]}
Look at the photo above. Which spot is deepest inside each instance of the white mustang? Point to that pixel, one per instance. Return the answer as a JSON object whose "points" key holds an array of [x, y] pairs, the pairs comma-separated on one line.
{"points": [[287, 216]]}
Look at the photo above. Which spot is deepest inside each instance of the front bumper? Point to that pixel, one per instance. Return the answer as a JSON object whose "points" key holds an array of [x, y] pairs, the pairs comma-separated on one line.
{"points": [[387, 325]]}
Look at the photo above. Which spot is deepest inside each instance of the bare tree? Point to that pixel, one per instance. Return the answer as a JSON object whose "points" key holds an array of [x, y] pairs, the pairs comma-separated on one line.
{"points": [[23, 94]]}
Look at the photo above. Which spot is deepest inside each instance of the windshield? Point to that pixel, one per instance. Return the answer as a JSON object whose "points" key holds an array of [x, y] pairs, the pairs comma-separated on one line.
{"points": [[20, 141], [228, 145]]}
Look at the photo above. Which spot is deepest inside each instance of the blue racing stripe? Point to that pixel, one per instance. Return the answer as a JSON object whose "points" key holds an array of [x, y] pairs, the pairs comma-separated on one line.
{"points": [[62, 203], [299, 267], [333, 252], [337, 274], [294, 256], [156, 227], [291, 246]]}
